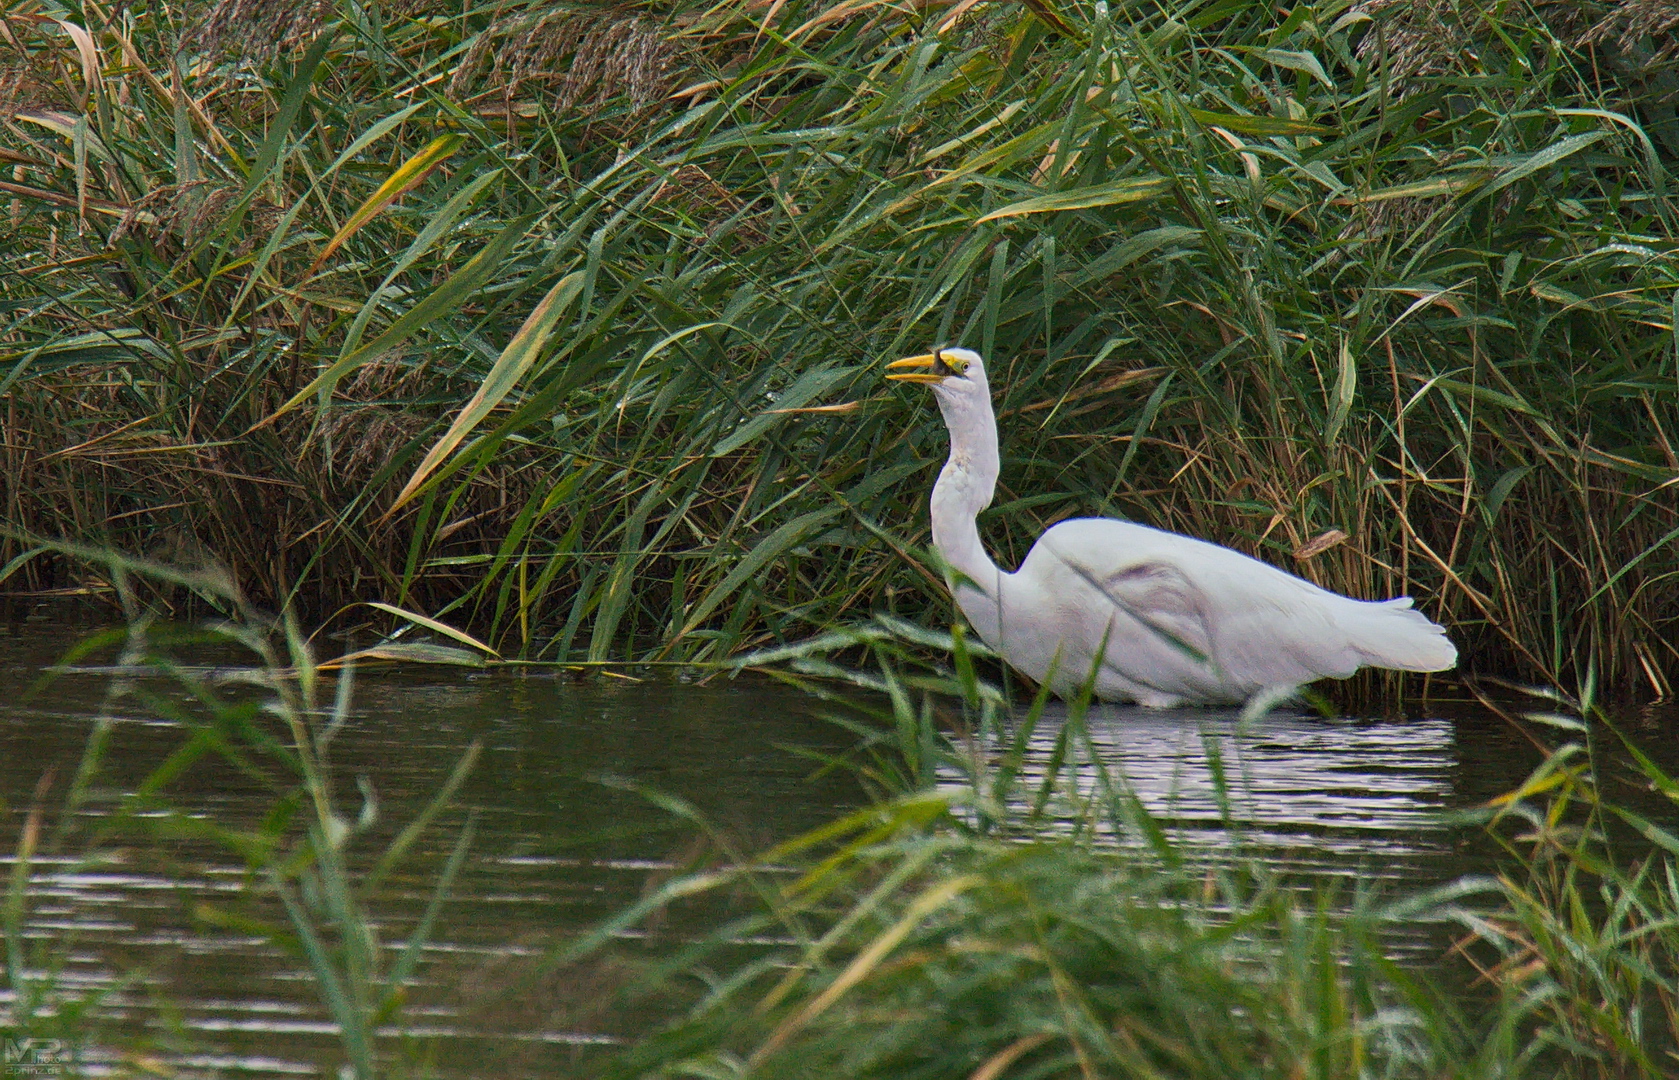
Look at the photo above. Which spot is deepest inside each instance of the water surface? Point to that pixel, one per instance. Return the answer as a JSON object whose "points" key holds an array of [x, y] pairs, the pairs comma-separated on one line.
{"points": [[564, 837]]}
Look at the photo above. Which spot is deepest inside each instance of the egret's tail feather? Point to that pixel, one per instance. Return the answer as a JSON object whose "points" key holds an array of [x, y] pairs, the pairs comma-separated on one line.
{"points": [[1391, 634]]}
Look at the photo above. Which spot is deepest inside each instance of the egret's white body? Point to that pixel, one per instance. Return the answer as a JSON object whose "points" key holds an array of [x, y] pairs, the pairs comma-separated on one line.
{"points": [[1184, 621]]}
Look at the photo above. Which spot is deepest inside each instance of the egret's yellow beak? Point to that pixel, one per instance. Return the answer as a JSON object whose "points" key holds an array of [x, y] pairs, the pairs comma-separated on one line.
{"points": [[928, 368]]}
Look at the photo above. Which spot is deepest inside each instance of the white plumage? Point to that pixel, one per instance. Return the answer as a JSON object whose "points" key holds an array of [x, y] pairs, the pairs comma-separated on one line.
{"points": [[1185, 621]]}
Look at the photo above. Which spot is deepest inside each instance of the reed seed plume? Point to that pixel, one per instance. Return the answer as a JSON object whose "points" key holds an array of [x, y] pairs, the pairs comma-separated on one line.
{"points": [[1644, 30], [259, 30], [1410, 40], [582, 61], [36, 63], [184, 216], [696, 194], [25, 86]]}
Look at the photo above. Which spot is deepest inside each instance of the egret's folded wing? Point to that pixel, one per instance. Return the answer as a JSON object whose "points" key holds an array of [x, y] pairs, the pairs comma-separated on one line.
{"points": [[1158, 595], [1249, 624], [1279, 647]]}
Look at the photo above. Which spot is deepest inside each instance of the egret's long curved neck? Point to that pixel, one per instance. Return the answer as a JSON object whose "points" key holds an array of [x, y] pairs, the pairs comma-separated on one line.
{"points": [[966, 485]]}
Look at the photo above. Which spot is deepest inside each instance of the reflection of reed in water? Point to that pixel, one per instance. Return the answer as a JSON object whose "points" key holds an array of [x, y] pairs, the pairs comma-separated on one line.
{"points": [[1323, 794]]}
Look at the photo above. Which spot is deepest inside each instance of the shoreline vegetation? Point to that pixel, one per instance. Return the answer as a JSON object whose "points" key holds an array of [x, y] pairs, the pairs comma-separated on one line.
{"points": [[976, 920], [561, 324]]}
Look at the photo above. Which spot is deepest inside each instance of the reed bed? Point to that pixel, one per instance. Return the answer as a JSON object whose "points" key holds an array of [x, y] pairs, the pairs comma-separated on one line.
{"points": [[561, 324]]}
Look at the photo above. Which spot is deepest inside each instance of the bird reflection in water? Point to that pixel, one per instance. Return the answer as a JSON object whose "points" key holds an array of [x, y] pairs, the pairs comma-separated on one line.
{"points": [[1327, 796]]}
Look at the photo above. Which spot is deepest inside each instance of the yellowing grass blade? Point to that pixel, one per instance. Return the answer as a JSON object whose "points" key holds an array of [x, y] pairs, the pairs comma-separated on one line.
{"points": [[432, 624], [407, 176], [407, 652], [844, 407], [833, 14], [509, 368], [85, 49], [1258, 125], [867, 960], [1421, 189], [432, 307], [1120, 191]]}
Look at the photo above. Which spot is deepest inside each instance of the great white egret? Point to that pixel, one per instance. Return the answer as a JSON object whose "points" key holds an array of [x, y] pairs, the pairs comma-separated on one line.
{"points": [[1184, 621]]}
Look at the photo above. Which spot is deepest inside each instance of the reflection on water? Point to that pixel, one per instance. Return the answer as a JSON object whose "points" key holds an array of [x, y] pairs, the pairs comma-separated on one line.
{"points": [[1330, 795], [556, 850]]}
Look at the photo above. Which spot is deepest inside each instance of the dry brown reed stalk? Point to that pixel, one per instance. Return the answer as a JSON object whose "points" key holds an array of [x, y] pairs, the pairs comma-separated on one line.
{"points": [[79, 459], [1256, 489], [74, 453]]}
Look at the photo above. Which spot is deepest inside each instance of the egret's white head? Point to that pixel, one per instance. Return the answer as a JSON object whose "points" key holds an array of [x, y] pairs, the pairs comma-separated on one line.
{"points": [[969, 477], [957, 377]]}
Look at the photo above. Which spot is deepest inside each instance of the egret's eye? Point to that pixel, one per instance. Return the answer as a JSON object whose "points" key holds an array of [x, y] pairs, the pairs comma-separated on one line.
{"points": [[948, 365]]}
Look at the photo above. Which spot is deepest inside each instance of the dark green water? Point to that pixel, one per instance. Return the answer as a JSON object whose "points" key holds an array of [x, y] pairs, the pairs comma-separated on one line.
{"points": [[556, 849]]}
